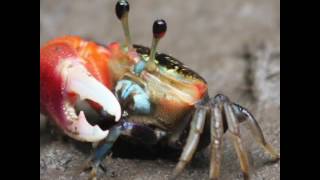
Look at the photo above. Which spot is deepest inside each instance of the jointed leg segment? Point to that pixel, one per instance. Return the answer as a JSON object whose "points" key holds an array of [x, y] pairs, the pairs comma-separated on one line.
{"points": [[234, 128], [144, 133], [216, 128], [221, 111], [196, 129], [256, 130], [222, 114]]}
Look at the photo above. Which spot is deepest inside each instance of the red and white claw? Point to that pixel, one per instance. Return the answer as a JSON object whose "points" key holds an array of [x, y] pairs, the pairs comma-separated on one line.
{"points": [[67, 74], [82, 83]]}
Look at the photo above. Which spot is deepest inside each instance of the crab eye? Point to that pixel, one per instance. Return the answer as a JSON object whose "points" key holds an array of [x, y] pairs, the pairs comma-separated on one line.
{"points": [[122, 8], [122, 12], [159, 28]]}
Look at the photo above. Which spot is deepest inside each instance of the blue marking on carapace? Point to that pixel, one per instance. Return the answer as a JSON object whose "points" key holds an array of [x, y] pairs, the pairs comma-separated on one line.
{"points": [[139, 67], [127, 90], [141, 103], [140, 97]]}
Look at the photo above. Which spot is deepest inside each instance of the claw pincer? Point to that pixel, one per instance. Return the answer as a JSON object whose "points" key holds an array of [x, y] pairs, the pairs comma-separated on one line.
{"points": [[72, 69]]}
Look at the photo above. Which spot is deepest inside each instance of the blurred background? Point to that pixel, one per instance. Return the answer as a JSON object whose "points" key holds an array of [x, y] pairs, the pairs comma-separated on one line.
{"points": [[233, 44]]}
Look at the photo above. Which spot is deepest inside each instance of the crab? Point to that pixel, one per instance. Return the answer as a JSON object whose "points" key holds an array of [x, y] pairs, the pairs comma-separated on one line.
{"points": [[141, 94]]}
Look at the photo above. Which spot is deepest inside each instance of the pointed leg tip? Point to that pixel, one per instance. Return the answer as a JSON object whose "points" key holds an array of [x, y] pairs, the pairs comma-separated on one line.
{"points": [[274, 154], [174, 175], [93, 174], [87, 166], [275, 158], [179, 168], [245, 176], [83, 168], [177, 171]]}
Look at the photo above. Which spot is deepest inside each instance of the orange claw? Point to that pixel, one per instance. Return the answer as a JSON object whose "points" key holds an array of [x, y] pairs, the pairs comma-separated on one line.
{"points": [[70, 68], [96, 58]]}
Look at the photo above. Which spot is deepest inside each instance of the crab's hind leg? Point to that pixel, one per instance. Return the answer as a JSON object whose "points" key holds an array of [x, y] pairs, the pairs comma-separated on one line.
{"points": [[255, 129], [144, 133], [234, 128], [223, 115], [197, 124], [217, 131], [233, 115], [223, 118]]}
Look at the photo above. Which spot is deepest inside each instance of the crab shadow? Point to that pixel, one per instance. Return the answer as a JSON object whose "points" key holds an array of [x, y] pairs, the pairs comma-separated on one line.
{"points": [[129, 149], [122, 148]]}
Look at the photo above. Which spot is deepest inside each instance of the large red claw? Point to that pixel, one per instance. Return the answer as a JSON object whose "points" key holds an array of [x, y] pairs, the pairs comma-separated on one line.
{"points": [[69, 69]]}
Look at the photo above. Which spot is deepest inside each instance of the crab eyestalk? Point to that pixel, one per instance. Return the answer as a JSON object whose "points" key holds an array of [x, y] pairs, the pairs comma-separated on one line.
{"points": [[159, 29], [122, 11]]}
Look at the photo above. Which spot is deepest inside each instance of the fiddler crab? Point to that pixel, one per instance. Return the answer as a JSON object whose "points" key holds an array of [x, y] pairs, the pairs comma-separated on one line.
{"points": [[141, 94]]}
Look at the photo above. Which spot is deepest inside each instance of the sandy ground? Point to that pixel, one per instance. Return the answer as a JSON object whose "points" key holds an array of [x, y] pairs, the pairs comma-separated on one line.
{"points": [[235, 45]]}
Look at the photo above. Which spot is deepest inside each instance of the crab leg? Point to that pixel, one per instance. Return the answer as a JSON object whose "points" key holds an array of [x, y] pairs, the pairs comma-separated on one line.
{"points": [[103, 150], [189, 149], [235, 132], [216, 125], [143, 133], [256, 130]]}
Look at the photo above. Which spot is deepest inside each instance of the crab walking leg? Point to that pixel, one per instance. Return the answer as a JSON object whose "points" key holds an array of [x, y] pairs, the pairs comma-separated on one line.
{"points": [[216, 129], [256, 130], [233, 125], [145, 134], [103, 150], [189, 149]]}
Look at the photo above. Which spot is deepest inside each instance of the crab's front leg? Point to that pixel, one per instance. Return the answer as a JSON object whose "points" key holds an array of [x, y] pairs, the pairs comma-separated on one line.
{"points": [[134, 99], [142, 133], [222, 114]]}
